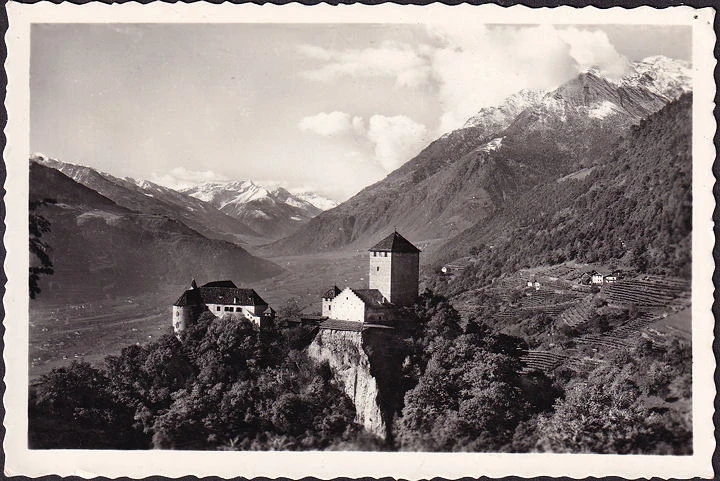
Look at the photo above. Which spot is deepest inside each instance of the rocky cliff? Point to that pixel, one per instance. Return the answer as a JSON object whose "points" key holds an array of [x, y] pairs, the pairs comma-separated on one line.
{"points": [[368, 365]]}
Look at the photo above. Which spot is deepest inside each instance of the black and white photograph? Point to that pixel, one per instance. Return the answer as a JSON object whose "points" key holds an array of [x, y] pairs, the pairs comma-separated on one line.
{"points": [[408, 234]]}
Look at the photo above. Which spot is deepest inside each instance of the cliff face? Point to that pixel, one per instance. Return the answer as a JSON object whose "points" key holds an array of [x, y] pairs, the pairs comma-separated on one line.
{"points": [[351, 365], [369, 366]]}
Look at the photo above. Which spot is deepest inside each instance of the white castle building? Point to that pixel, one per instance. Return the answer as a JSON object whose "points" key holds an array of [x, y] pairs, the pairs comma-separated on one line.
{"points": [[394, 279], [220, 298]]}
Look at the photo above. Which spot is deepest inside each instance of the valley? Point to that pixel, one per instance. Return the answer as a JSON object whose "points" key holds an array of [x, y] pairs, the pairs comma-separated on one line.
{"points": [[91, 330]]}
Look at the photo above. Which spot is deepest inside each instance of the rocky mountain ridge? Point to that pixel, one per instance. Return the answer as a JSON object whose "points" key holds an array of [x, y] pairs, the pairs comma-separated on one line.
{"points": [[149, 198]]}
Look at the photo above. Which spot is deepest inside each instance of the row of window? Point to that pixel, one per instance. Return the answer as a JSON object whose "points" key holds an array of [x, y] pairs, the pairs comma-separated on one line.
{"points": [[384, 254], [229, 309]]}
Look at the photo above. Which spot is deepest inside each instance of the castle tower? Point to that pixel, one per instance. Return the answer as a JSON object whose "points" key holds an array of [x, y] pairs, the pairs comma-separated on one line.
{"points": [[394, 269]]}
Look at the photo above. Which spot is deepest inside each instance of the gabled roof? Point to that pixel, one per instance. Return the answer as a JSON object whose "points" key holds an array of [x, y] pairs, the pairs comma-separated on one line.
{"points": [[221, 284], [211, 293], [331, 293], [394, 243], [370, 297]]}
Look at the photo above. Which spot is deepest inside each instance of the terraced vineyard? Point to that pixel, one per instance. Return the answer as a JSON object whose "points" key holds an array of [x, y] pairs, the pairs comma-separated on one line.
{"points": [[648, 292], [543, 360], [545, 297], [578, 313]]}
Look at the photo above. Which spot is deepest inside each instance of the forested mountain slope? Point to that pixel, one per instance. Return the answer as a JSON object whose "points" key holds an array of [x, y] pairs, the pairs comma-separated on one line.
{"points": [[636, 205]]}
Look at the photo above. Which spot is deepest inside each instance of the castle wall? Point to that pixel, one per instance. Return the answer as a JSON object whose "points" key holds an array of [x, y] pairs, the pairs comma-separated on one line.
{"points": [[348, 307], [381, 272], [405, 278], [378, 315]]}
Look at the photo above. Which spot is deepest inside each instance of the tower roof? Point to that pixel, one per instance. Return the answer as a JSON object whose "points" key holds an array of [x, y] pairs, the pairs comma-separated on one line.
{"points": [[394, 243]]}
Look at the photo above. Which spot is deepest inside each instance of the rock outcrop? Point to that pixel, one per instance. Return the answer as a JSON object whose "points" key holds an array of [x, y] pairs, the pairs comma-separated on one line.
{"points": [[368, 366]]}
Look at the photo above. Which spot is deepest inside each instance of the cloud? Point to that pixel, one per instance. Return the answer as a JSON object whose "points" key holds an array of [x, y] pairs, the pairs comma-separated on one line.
{"points": [[182, 178], [481, 66], [393, 140], [397, 139], [593, 48], [471, 67], [403, 63], [333, 123]]}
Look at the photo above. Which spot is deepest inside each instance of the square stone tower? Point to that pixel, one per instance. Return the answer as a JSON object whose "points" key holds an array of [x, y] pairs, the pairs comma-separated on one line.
{"points": [[395, 269]]}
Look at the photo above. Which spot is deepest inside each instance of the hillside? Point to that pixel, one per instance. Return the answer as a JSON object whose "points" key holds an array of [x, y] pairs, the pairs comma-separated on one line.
{"points": [[633, 208], [149, 198], [272, 212], [500, 154], [101, 249]]}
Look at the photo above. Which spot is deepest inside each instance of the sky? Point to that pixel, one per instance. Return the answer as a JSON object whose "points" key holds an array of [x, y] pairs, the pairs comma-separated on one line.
{"points": [[326, 108]]}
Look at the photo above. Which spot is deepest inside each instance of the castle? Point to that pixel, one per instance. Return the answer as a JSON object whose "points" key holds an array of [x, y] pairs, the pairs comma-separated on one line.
{"points": [[394, 279], [220, 298]]}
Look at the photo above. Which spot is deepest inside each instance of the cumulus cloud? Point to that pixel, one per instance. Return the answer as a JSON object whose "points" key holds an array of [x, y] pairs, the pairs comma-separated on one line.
{"points": [[393, 140], [333, 123], [403, 63], [397, 139], [182, 178], [594, 49], [476, 66], [482, 66]]}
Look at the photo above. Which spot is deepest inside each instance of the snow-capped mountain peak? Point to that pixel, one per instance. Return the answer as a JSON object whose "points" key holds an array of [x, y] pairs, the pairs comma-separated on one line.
{"points": [[322, 203], [495, 118], [273, 211], [666, 76]]}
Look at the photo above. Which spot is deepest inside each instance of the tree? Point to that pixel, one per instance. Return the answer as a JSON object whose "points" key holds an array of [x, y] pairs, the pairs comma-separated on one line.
{"points": [[39, 249]]}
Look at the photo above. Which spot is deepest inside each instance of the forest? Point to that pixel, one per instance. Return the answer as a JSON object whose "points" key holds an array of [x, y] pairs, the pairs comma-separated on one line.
{"points": [[231, 386]]}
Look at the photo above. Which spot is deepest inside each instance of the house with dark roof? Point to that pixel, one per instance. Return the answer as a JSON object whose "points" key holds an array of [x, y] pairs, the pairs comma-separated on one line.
{"points": [[220, 298], [393, 283]]}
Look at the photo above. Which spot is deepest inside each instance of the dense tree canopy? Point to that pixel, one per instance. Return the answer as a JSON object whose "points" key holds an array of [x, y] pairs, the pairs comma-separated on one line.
{"points": [[227, 386]]}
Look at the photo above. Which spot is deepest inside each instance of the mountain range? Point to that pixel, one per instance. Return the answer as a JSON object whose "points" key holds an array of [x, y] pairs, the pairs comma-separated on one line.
{"points": [[101, 248], [150, 198], [462, 178], [463, 190], [274, 213]]}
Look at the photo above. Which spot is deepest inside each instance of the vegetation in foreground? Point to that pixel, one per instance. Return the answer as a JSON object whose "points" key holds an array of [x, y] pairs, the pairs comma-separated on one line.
{"points": [[230, 386]]}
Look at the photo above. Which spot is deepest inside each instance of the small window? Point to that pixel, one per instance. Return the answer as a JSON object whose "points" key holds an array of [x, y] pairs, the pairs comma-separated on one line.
{"points": [[177, 313], [238, 309], [228, 309], [378, 268], [329, 308], [217, 308], [374, 254]]}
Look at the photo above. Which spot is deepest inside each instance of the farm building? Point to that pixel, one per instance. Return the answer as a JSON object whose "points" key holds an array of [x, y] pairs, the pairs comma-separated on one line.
{"points": [[600, 278], [221, 298]]}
